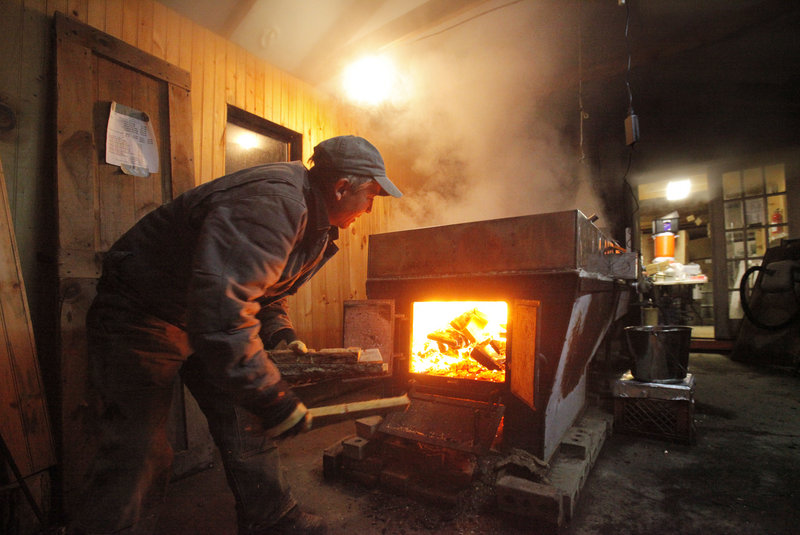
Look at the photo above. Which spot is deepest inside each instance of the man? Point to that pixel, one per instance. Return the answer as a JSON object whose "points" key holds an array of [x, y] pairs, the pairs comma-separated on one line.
{"points": [[198, 288]]}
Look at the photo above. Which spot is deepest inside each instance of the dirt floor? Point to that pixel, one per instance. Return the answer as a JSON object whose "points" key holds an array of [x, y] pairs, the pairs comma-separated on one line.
{"points": [[741, 477]]}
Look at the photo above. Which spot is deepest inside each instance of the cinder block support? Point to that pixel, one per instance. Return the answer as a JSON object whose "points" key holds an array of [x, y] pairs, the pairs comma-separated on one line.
{"points": [[356, 448], [332, 461], [367, 427], [554, 503], [527, 498]]}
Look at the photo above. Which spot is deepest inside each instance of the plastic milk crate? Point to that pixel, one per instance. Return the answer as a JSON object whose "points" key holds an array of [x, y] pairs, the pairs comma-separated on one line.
{"points": [[663, 410]]}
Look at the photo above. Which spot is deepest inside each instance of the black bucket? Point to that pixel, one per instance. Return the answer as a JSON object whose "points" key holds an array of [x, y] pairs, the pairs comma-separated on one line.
{"points": [[659, 353]]}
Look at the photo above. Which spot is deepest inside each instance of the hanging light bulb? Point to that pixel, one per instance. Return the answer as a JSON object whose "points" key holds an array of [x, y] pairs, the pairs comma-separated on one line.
{"points": [[370, 80], [678, 189]]}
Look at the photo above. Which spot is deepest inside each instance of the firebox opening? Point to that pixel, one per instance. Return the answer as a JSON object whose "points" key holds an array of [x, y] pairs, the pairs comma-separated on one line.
{"points": [[462, 339]]}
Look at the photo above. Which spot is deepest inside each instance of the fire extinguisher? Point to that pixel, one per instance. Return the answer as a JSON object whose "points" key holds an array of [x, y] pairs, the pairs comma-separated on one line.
{"points": [[776, 219]]}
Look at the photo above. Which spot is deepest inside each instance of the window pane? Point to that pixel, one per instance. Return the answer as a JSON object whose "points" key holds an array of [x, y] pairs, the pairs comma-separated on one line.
{"points": [[735, 272], [777, 233], [751, 263], [732, 185], [756, 243], [753, 181], [245, 148], [775, 176], [734, 244], [776, 208], [754, 211], [733, 215], [735, 311]]}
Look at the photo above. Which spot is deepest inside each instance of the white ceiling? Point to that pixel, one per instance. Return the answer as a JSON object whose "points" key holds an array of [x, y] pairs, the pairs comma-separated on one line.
{"points": [[311, 39]]}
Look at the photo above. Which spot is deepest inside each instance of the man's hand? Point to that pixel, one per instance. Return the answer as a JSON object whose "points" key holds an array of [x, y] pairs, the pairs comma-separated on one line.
{"points": [[298, 347], [298, 421], [302, 425], [287, 339]]}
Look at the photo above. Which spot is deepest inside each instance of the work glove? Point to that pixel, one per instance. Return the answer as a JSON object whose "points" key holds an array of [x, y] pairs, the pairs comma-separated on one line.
{"points": [[287, 339], [297, 422], [297, 346]]}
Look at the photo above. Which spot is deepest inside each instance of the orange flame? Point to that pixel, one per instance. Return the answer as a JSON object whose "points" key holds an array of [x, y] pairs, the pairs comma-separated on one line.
{"points": [[464, 339]]}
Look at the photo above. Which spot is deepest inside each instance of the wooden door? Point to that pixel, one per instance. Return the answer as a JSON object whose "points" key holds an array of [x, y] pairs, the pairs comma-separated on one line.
{"points": [[97, 202]]}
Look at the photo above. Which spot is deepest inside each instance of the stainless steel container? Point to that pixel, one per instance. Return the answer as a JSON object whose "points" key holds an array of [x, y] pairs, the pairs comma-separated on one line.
{"points": [[659, 352]]}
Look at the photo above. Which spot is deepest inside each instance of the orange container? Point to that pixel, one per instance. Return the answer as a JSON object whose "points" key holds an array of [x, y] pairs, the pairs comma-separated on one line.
{"points": [[664, 245]]}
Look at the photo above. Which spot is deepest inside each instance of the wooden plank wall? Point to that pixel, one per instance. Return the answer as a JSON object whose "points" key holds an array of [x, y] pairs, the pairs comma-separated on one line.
{"points": [[24, 420], [221, 73]]}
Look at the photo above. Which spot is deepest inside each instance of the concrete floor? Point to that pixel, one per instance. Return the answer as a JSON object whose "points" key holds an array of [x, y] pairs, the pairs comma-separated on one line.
{"points": [[741, 477]]}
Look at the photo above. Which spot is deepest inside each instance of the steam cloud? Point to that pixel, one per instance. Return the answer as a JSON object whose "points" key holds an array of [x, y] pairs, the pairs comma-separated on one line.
{"points": [[477, 140]]}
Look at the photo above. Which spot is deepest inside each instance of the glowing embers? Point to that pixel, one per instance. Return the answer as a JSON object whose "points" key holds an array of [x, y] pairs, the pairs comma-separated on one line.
{"points": [[464, 339]]}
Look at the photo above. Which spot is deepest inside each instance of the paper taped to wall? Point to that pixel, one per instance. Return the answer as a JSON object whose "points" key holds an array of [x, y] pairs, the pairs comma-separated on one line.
{"points": [[131, 141]]}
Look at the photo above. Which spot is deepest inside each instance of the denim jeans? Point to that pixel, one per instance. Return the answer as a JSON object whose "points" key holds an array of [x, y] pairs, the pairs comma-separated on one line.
{"points": [[135, 359]]}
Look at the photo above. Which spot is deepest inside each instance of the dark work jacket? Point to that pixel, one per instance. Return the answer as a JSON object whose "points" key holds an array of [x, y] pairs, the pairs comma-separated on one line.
{"points": [[219, 260]]}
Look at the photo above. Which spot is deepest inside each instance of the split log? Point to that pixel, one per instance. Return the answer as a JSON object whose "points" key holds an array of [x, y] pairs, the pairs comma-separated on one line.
{"points": [[321, 416], [486, 356], [470, 324], [450, 338], [324, 364]]}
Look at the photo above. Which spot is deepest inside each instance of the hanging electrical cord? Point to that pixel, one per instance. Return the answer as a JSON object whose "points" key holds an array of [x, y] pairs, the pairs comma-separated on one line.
{"points": [[583, 114], [628, 49], [634, 125], [459, 23]]}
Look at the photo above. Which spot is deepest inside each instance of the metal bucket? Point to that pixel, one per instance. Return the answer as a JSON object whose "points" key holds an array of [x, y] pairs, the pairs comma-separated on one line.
{"points": [[659, 353]]}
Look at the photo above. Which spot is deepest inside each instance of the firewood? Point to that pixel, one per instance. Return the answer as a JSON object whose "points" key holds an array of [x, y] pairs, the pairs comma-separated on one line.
{"points": [[318, 365], [448, 337], [471, 324], [485, 354], [330, 414]]}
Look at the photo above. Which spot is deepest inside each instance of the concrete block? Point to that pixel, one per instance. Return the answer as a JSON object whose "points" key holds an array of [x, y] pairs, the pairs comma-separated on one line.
{"points": [[597, 421], [356, 448], [371, 464], [577, 443], [568, 475], [527, 498], [332, 461], [367, 427]]}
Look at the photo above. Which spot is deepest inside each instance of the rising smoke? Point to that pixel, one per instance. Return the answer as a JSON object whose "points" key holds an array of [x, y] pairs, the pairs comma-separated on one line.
{"points": [[483, 135]]}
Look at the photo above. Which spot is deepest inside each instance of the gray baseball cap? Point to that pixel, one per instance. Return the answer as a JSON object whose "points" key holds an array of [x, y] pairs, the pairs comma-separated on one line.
{"points": [[354, 155]]}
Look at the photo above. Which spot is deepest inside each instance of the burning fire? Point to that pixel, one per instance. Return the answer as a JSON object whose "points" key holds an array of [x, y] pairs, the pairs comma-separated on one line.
{"points": [[465, 339]]}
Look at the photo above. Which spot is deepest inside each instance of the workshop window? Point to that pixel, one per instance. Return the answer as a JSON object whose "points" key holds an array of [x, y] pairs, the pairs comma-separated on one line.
{"points": [[754, 202], [252, 140]]}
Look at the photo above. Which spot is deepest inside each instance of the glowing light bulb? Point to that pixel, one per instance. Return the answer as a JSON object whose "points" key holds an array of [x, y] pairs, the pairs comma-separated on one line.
{"points": [[370, 80], [678, 189]]}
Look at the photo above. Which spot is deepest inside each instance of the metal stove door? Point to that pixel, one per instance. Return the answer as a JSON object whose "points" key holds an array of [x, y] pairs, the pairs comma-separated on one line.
{"points": [[522, 337]]}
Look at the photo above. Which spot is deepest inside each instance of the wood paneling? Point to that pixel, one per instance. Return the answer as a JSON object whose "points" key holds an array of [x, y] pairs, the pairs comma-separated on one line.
{"points": [[24, 421]]}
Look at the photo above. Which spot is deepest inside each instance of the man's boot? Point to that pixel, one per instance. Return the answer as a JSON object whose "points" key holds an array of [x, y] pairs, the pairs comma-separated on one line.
{"points": [[295, 522]]}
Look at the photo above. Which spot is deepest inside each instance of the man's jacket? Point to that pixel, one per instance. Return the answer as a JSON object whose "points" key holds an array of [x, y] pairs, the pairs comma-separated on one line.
{"points": [[219, 261]]}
